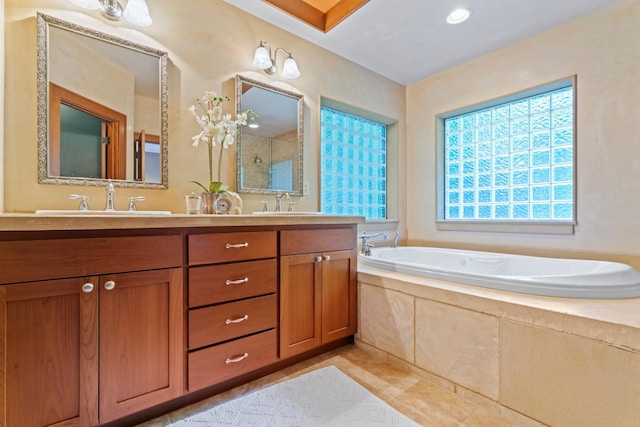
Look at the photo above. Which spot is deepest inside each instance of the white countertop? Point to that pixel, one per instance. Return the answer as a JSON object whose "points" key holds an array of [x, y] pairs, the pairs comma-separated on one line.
{"points": [[33, 222]]}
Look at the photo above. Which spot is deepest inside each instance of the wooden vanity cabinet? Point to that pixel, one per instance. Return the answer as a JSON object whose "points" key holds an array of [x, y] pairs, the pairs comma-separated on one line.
{"points": [[317, 288], [51, 359], [96, 325], [233, 308], [87, 338], [141, 341]]}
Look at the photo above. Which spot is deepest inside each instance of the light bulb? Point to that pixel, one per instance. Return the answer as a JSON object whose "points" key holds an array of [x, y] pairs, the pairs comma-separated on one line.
{"points": [[261, 58], [458, 16], [137, 13], [290, 68]]}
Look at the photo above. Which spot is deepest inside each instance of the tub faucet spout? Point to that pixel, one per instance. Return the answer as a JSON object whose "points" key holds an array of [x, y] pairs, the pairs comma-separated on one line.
{"points": [[366, 246], [395, 240]]}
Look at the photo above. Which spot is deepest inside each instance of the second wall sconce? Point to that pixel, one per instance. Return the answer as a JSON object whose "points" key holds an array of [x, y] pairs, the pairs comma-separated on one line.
{"points": [[135, 12], [263, 60]]}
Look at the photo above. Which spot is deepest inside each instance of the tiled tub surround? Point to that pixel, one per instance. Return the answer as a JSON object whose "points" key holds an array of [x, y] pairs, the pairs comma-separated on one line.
{"points": [[535, 360]]}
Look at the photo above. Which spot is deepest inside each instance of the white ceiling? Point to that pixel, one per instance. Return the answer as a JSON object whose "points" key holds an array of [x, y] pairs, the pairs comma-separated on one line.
{"points": [[409, 40]]}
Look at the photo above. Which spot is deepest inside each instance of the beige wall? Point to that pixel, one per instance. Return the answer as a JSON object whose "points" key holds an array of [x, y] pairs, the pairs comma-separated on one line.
{"points": [[602, 50], [208, 42]]}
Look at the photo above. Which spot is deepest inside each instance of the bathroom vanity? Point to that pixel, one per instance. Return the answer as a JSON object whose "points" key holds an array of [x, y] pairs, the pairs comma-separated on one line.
{"points": [[113, 320]]}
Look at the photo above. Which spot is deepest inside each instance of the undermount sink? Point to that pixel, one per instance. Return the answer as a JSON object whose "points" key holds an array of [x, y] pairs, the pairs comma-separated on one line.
{"points": [[287, 213], [97, 213]]}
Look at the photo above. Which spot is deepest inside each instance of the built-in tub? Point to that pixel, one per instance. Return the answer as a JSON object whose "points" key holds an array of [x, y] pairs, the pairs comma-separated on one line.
{"points": [[517, 273]]}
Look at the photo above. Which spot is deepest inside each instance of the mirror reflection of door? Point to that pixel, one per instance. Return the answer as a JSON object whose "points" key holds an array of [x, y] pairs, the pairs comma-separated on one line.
{"points": [[87, 139], [146, 152]]}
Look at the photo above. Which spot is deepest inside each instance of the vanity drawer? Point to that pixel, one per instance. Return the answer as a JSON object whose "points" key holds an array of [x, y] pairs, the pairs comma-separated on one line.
{"points": [[31, 260], [219, 323], [321, 240], [208, 284], [215, 364], [227, 247]]}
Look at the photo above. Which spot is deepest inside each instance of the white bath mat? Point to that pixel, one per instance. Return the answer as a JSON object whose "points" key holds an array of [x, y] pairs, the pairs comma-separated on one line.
{"points": [[325, 397]]}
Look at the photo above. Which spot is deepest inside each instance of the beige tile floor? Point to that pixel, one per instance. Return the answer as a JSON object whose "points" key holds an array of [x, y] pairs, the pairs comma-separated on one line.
{"points": [[422, 401]]}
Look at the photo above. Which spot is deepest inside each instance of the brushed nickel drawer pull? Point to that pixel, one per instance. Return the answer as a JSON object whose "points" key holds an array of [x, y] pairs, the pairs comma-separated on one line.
{"points": [[239, 320], [318, 259], [237, 245], [237, 282], [87, 288], [237, 359], [327, 258], [109, 285]]}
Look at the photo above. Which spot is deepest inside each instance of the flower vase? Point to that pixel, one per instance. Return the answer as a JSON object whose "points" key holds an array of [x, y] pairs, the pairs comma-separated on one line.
{"points": [[208, 201]]}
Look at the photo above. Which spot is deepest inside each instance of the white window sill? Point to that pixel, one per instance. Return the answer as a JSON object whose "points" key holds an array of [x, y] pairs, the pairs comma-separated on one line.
{"points": [[508, 227]]}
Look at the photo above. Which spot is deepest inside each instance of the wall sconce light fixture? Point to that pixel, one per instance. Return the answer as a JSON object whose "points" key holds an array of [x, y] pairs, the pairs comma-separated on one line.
{"points": [[263, 60], [135, 12]]}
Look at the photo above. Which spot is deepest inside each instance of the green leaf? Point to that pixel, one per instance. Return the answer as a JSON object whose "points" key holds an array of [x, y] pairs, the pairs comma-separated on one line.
{"points": [[201, 186], [216, 187]]}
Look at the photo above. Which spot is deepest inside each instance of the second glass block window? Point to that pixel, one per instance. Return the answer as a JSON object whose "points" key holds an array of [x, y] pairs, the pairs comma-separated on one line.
{"points": [[353, 165], [513, 161]]}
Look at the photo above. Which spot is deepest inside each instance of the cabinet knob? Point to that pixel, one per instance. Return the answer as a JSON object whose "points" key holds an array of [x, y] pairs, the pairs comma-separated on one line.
{"points": [[87, 288], [237, 359], [109, 285], [318, 258], [327, 258]]}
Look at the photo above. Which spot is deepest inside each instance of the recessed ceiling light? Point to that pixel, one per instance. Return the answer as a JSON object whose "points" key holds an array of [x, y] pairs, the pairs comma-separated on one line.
{"points": [[458, 16]]}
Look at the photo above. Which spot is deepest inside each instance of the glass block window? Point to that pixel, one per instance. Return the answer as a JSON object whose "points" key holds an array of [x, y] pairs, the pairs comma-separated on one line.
{"points": [[353, 165], [511, 161]]}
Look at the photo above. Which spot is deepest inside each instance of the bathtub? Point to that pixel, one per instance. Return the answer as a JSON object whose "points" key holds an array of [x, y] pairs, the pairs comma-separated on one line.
{"points": [[517, 273]]}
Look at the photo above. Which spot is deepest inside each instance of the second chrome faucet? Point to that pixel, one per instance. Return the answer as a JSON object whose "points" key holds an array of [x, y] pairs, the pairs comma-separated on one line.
{"points": [[110, 205], [279, 197]]}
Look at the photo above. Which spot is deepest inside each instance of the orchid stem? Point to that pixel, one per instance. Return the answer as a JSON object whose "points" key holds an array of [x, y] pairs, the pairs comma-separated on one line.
{"points": [[210, 161], [220, 162]]}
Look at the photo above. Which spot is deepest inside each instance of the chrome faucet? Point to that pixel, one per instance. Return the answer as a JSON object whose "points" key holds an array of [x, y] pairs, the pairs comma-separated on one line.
{"points": [[84, 205], [132, 202], [366, 246], [279, 197], [110, 206], [291, 205], [395, 240]]}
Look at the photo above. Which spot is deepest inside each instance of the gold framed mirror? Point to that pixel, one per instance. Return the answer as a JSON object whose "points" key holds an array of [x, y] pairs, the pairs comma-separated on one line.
{"points": [[102, 108], [270, 149]]}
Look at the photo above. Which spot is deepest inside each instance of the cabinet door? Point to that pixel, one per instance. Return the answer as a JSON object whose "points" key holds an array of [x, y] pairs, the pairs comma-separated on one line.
{"points": [[339, 307], [300, 303], [50, 333], [141, 340]]}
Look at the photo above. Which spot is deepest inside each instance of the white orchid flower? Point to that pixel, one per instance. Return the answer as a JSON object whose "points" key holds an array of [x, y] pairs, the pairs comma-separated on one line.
{"points": [[215, 113], [217, 128], [228, 140]]}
